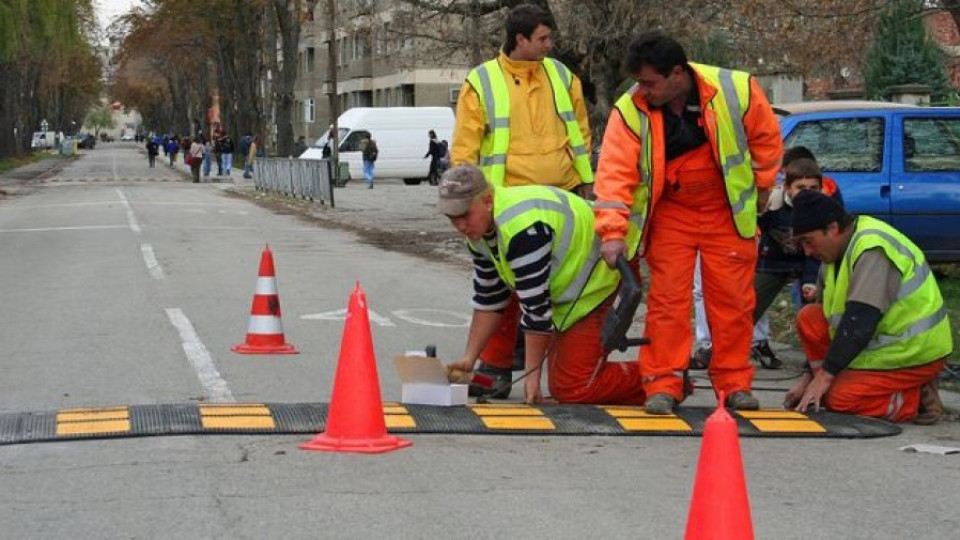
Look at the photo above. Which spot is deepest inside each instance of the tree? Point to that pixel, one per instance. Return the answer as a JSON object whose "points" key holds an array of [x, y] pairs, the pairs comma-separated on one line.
{"points": [[903, 53], [99, 118]]}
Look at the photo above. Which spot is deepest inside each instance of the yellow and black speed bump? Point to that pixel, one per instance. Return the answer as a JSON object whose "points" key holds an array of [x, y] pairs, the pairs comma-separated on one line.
{"points": [[486, 419]]}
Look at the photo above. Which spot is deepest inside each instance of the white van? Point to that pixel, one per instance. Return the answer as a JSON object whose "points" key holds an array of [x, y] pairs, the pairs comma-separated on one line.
{"points": [[402, 139]]}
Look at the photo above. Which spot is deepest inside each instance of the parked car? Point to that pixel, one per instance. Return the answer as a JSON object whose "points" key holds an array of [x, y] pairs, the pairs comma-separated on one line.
{"points": [[899, 163], [87, 141]]}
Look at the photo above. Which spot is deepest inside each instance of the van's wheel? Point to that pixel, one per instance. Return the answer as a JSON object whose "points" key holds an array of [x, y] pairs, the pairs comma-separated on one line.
{"points": [[434, 181], [412, 181]]}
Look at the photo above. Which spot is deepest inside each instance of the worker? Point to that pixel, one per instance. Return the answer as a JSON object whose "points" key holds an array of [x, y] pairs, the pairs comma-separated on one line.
{"points": [[521, 117], [876, 344], [538, 241], [690, 153]]}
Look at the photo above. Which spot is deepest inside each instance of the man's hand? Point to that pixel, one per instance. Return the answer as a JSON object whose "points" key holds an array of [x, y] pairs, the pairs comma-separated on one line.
{"points": [[610, 249], [463, 364], [531, 389], [585, 191], [809, 292], [813, 395], [793, 396]]}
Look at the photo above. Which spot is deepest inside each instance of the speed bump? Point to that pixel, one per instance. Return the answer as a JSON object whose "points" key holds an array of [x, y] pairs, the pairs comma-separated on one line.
{"points": [[480, 419]]}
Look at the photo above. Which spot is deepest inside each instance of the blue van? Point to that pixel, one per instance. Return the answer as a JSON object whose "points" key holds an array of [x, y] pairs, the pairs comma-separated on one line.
{"points": [[899, 163]]}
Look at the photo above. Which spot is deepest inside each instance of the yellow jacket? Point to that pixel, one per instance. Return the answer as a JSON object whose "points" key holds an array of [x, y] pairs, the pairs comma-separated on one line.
{"points": [[539, 153]]}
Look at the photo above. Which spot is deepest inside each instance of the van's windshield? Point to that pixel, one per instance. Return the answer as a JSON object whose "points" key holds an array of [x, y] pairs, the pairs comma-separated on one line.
{"points": [[322, 141]]}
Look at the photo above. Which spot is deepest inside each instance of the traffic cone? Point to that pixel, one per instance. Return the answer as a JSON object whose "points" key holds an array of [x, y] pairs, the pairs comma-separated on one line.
{"points": [[265, 331], [355, 417], [720, 507]]}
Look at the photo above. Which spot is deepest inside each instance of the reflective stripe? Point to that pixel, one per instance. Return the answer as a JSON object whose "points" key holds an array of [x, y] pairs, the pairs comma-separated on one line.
{"points": [[580, 280], [568, 116], [264, 324], [579, 150], [266, 285], [815, 364], [488, 96], [611, 204], [921, 271], [895, 406], [562, 206], [917, 328], [497, 159], [734, 106], [562, 71]]}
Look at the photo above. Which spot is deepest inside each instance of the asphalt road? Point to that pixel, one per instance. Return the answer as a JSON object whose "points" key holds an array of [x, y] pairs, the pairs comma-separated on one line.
{"points": [[100, 259]]}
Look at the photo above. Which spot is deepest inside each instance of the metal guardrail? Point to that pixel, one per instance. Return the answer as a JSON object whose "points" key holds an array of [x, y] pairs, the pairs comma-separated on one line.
{"points": [[303, 178]]}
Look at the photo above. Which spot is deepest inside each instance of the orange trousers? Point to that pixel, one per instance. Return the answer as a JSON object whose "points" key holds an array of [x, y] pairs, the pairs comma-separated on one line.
{"points": [[893, 395], [695, 217], [577, 370]]}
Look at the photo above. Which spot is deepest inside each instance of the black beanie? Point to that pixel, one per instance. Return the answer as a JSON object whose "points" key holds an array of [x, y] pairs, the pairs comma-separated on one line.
{"points": [[813, 210]]}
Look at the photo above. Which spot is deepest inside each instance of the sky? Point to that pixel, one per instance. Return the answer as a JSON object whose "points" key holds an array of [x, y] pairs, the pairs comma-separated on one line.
{"points": [[108, 9]]}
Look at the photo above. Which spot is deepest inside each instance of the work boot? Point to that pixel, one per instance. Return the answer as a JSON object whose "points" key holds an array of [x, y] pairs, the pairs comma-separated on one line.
{"points": [[742, 400], [502, 380], [702, 356], [931, 408], [762, 354], [660, 404]]}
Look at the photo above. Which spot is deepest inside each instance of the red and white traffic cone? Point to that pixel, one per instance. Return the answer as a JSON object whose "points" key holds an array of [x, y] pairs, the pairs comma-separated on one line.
{"points": [[265, 331]]}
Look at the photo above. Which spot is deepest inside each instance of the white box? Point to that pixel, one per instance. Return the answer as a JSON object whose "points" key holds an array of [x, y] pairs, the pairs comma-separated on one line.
{"points": [[423, 381]]}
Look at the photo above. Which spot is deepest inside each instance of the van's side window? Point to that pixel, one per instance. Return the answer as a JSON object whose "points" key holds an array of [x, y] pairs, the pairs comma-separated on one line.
{"points": [[352, 142], [931, 144], [842, 144]]}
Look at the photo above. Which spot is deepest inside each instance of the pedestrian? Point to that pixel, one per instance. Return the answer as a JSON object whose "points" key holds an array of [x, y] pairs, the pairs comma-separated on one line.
{"points": [[690, 154], [522, 119], [370, 153], [877, 341], [218, 151], [152, 152], [565, 289], [435, 152], [251, 158], [226, 153], [195, 154], [207, 157], [173, 148]]}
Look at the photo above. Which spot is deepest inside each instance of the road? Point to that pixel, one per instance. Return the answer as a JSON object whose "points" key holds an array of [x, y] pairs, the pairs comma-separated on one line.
{"points": [[103, 258]]}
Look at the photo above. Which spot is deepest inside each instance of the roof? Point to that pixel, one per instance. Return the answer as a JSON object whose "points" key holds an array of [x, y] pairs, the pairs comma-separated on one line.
{"points": [[840, 105]]}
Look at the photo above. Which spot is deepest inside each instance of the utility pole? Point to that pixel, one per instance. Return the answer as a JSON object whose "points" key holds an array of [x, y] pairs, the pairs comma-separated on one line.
{"points": [[332, 57]]}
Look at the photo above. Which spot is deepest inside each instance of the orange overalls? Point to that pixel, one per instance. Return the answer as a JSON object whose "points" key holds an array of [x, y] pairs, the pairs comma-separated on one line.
{"points": [[893, 395]]}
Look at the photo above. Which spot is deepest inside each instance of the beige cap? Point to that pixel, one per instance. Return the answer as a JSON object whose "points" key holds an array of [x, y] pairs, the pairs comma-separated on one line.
{"points": [[458, 187]]}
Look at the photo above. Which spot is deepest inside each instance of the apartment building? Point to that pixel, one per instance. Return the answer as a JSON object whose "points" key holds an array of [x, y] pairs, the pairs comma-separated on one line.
{"points": [[379, 64]]}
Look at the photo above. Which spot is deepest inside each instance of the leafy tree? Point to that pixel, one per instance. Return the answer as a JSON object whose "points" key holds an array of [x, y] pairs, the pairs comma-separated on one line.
{"points": [[903, 53], [99, 118]]}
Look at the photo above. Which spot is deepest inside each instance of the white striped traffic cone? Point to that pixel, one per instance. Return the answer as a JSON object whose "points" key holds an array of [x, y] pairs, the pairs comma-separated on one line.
{"points": [[265, 331]]}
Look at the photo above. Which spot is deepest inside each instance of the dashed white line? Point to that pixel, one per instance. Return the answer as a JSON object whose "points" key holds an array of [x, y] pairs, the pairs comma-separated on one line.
{"points": [[153, 266], [215, 389], [131, 218]]}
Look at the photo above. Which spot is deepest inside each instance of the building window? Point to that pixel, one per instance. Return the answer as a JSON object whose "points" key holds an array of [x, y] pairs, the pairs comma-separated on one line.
{"points": [[309, 110], [309, 57]]}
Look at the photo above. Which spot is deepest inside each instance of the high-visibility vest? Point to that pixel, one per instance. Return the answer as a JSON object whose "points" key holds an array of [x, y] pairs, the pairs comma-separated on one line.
{"points": [[729, 104], [579, 280], [488, 81], [915, 330]]}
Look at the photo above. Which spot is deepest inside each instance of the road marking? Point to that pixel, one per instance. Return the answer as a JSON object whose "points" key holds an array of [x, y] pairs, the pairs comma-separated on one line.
{"points": [[407, 315], [341, 315], [156, 272], [131, 219], [81, 228], [215, 389]]}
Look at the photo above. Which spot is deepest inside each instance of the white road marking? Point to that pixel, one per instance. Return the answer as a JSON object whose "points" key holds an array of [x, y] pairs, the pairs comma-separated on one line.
{"points": [[341, 315], [407, 315], [153, 266], [215, 389], [79, 228], [131, 218]]}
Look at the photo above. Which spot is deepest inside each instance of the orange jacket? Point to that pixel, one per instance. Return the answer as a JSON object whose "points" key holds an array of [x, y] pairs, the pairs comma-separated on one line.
{"points": [[618, 173]]}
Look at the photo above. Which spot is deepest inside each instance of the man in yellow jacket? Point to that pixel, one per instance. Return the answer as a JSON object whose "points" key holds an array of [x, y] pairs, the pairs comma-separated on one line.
{"points": [[522, 119]]}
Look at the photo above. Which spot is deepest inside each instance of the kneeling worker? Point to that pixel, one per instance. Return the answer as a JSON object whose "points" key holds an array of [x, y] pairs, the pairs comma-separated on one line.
{"points": [[877, 342], [539, 242]]}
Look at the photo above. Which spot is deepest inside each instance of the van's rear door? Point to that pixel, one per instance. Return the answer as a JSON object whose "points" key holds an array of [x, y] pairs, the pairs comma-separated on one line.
{"points": [[852, 148], [925, 185]]}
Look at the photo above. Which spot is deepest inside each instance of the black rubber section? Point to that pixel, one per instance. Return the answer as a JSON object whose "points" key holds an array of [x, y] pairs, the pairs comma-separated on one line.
{"points": [[487, 419]]}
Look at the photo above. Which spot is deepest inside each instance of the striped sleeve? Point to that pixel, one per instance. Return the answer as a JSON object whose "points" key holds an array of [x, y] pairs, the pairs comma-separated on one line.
{"points": [[490, 292], [529, 257]]}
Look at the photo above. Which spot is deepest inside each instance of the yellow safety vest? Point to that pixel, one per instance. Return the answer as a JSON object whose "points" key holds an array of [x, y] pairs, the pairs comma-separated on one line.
{"points": [[491, 86], [579, 280], [728, 105], [915, 330]]}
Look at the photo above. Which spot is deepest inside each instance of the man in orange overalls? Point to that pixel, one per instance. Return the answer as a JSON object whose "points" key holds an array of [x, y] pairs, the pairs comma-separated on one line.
{"points": [[689, 155]]}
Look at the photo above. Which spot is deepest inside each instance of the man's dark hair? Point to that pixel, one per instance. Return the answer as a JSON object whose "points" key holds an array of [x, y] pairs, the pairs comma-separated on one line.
{"points": [[524, 19], [796, 152], [802, 168], [654, 49]]}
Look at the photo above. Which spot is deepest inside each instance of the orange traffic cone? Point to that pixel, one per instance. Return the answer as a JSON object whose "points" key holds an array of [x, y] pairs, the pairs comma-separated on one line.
{"points": [[265, 331], [720, 507], [355, 418]]}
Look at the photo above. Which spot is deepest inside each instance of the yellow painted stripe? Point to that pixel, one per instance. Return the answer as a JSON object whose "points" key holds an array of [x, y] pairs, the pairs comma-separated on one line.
{"points": [[90, 428], [636, 413], [394, 409], [93, 409], [789, 426], [237, 422], [507, 412], [781, 415], [234, 410], [79, 416], [653, 423], [521, 422], [400, 421]]}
